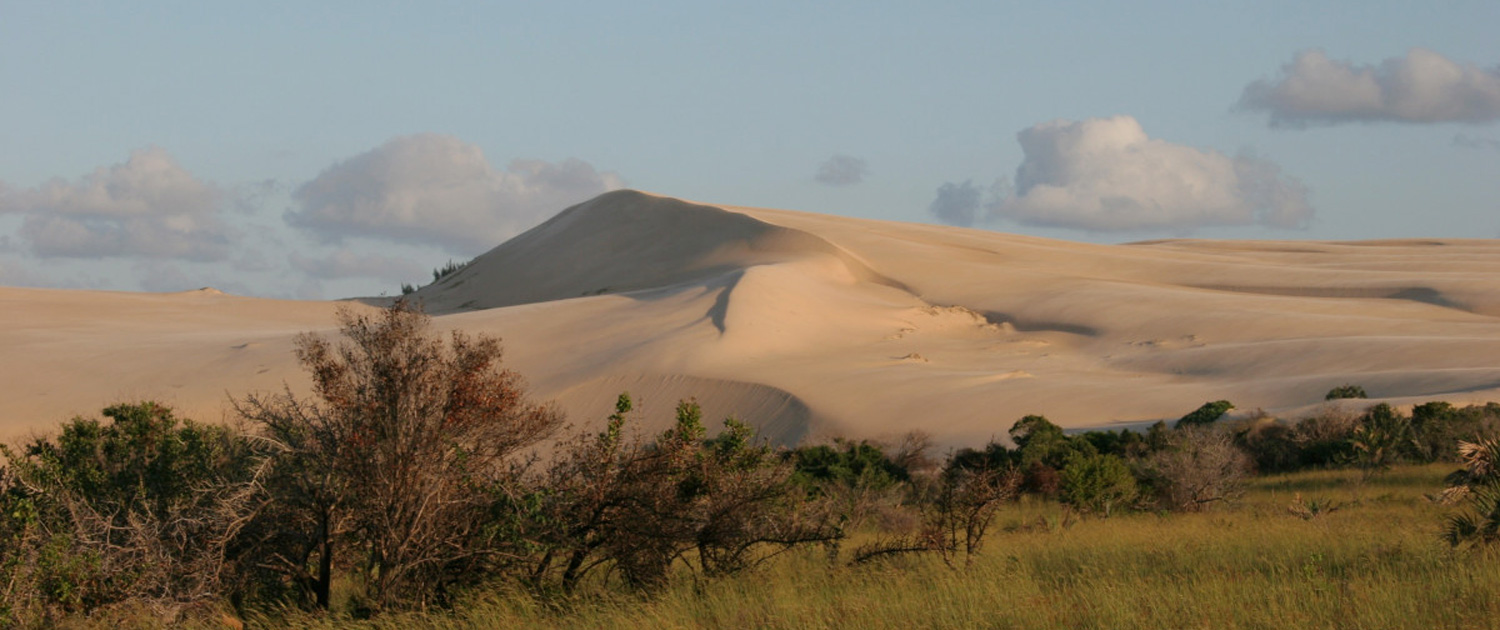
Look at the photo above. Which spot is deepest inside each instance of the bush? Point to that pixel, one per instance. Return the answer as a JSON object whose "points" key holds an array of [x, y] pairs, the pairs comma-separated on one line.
{"points": [[1382, 437], [1201, 467], [1271, 445], [845, 463], [402, 469], [1345, 392], [142, 507], [634, 508], [1206, 414], [1097, 483]]}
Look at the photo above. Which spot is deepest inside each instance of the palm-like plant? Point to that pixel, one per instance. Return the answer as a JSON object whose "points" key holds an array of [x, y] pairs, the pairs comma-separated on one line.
{"points": [[1478, 481], [1480, 524], [1481, 460]]}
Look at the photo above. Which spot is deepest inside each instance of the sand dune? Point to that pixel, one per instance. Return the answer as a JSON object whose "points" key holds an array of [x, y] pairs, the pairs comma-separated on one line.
{"points": [[813, 325]]}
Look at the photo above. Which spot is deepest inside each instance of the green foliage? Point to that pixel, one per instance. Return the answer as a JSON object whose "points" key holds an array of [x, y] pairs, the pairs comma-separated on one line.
{"points": [[1382, 438], [845, 463], [1479, 524], [447, 270], [1438, 427], [1345, 392], [1209, 413], [140, 507], [1097, 483], [142, 460]]}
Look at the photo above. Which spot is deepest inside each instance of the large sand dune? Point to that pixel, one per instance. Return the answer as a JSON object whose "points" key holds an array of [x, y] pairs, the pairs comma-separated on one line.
{"points": [[813, 325]]}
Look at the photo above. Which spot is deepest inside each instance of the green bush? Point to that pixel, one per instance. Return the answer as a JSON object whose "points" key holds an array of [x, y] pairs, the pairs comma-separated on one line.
{"points": [[845, 463], [141, 507], [1209, 413], [1345, 392], [1096, 483]]}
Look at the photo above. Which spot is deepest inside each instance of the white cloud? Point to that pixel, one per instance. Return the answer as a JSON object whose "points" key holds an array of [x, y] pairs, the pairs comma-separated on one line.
{"points": [[347, 264], [1422, 87], [437, 189], [842, 170], [146, 207], [1105, 174]]}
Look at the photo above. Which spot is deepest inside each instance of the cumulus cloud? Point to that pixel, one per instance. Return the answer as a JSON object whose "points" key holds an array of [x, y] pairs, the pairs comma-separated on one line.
{"points": [[842, 170], [1422, 87], [437, 189], [146, 207], [1106, 174], [347, 264]]}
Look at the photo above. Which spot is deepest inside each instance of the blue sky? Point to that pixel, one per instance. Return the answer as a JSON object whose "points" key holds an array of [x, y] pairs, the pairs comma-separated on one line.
{"points": [[335, 149]]}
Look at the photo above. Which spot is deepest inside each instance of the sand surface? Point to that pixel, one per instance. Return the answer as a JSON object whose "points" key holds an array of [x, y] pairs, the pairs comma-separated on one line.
{"points": [[813, 326]]}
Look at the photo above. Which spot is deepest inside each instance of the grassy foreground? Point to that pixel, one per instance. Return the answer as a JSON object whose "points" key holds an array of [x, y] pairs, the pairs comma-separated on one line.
{"points": [[1373, 561]]}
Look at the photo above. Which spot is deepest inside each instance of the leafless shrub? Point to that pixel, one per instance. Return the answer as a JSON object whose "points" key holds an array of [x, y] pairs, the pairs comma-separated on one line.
{"points": [[955, 522], [1200, 467]]}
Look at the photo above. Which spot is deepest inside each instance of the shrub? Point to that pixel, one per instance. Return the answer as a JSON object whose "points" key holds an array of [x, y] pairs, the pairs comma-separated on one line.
{"points": [[954, 523], [1200, 468], [142, 507], [635, 508], [1097, 483], [1324, 439], [1345, 392], [397, 469], [1206, 414], [846, 463], [1382, 438]]}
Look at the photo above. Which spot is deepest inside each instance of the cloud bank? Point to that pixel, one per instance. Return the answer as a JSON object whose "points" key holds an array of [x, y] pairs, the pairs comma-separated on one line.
{"points": [[146, 207], [1106, 174], [1422, 87], [842, 170], [439, 190]]}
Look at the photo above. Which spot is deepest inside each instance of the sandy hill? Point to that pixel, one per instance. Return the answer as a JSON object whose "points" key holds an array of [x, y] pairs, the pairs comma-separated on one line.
{"points": [[811, 325]]}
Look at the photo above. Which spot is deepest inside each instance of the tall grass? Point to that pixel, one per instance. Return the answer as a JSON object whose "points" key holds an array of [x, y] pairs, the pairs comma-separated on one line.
{"points": [[1370, 556]]}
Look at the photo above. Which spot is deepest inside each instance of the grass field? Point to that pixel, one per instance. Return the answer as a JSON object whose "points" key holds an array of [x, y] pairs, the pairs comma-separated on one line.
{"points": [[1373, 559]]}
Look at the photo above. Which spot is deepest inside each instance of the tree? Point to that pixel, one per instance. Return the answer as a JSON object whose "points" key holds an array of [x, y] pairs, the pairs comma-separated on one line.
{"points": [[397, 465]]}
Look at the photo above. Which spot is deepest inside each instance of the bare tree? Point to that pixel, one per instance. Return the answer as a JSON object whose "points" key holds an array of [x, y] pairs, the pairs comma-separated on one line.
{"points": [[396, 468], [1200, 467]]}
